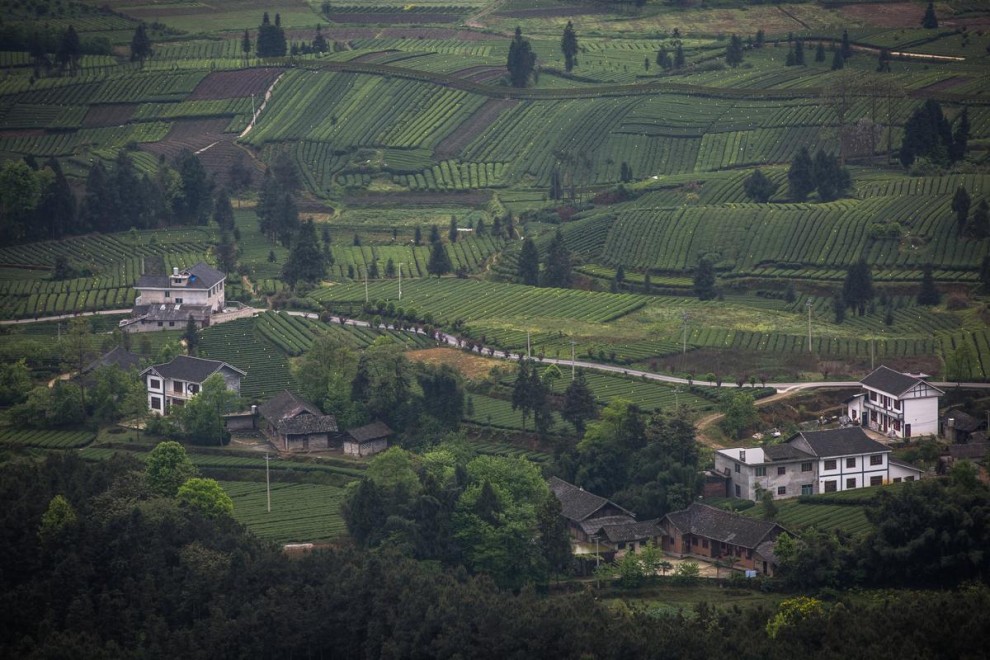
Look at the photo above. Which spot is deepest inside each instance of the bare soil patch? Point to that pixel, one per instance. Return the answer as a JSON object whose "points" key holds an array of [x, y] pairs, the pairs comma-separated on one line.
{"points": [[345, 34], [552, 12], [475, 198], [234, 84], [943, 85], [110, 114], [22, 132], [389, 18], [475, 125], [887, 15], [217, 150], [480, 74], [473, 367]]}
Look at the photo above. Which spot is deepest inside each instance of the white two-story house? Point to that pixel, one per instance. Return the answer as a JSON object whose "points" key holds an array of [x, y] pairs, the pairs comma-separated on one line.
{"points": [[900, 405], [810, 463], [168, 301], [173, 383]]}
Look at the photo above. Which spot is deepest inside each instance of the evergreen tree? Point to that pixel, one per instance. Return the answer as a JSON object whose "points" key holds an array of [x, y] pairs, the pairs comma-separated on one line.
{"points": [[452, 233], [246, 44], [271, 38], [320, 42], [141, 45], [857, 290], [124, 181], [760, 39], [304, 263], [434, 234], [928, 134], [883, 61], [98, 209], [801, 176], [838, 61], [226, 252], [960, 206], [734, 51], [223, 212], [979, 224], [522, 398], [985, 273], [528, 269], [192, 206], [758, 187], [663, 59], [960, 136], [439, 263], [799, 52], [557, 268], [625, 172], [556, 185], [820, 52], [928, 295], [191, 336], [569, 46], [679, 59], [832, 180], [579, 403], [521, 60], [929, 21], [839, 308], [846, 47], [56, 211], [417, 236], [704, 279], [69, 53]]}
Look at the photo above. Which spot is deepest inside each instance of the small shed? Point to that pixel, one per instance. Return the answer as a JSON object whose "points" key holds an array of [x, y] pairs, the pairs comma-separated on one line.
{"points": [[294, 424], [367, 440]]}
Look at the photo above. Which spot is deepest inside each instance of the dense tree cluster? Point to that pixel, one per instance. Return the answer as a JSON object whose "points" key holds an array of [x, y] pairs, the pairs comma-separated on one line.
{"points": [[734, 51], [928, 134], [271, 37], [823, 174]]}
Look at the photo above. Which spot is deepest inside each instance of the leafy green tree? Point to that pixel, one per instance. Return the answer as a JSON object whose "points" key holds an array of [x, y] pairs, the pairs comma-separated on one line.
{"points": [[569, 46], [363, 512], [928, 294], [223, 212], [226, 252], [801, 176], [206, 496], [201, 418], [305, 262], [663, 59], [557, 268], [70, 51], [738, 412], [930, 21], [191, 336], [193, 205], [579, 403], [56, 209], [443, 394], [20, 192], [528, 269], [323, 375], [758, 187], [141, 45], [928, 134], [15, 381], [554, 539], [959, 363], [521, 60], [168, 467], [57, 520], [704, 279], [382, 384], [831, 179], [439, 263], [960, 206]]}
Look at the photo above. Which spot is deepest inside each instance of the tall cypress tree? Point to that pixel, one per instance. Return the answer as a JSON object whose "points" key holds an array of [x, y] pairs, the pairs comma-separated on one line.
{"points": [[140, 45], [57, 209], [960, 136], [734, 51], [223, 212], [557, 269], [801, 176], [857, 290], [193, 206], [704, 279], [439, 263], [929, 21], [305, 263], [528, 269], [928, 295], [979, 224], [960, 206], [799, 52], [569, 46], [521, 60], [98, 208]]}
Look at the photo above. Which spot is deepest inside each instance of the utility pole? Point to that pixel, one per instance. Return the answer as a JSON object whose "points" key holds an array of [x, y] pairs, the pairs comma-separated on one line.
{"points": [[573, 344], [677, 405], [268, 484], [366, 284], [528, 352], [809, 305], [400, 280], [684, 319]]}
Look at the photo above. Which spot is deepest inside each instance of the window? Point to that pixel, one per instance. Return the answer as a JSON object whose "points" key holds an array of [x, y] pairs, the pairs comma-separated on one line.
{"points": [[154, 384], [873, 396], [909, 478], [851, 482], [876, 459], [807, 489], [761, 471], [177, 386], [193, 388], [737, 467], [897, 480], [156, 403], [831, 486], [178, 301], [897, 404], [738, 492], [876, 481], [830, 464], [781, 471], [805, 467], [782, 490], [171, 324], [850, 462], [160, 324], [694, 541], [704, 543], [168, 294]]}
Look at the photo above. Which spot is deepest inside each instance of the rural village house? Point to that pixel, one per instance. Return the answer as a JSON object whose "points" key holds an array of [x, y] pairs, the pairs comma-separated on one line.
{"points": [[709, 533], [368, 439], [174, 383], [809, 463], [591, 516], [292, 424], [169, 301], [900, 405]]}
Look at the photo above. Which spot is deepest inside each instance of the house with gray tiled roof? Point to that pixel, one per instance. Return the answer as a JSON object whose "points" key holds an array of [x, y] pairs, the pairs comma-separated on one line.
{"points": [[174, 383], [168, 301], [293, 424], [368, 439], [897, 404], [811, 462], [709, 533], [592, 517]]}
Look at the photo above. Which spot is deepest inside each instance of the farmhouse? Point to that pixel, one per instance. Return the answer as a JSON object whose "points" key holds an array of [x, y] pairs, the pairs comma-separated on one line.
{"points": [[809, 463], [294, 424], [169, 301], [174, 383], [900, 405], [368, 439], [704, 531], [591, 517]]}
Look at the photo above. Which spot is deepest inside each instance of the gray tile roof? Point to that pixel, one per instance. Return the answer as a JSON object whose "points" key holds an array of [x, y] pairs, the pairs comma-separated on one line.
{"points": [[969, 451], [784, 452], [892, 382], [373, 431], [632, 530], [592, 526], [119, 357], [190, 369], [172, 312], [716, 524], [306, 423], [839, 442], [963, 421], [577, 503], [285, 404], [201, 276]]}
